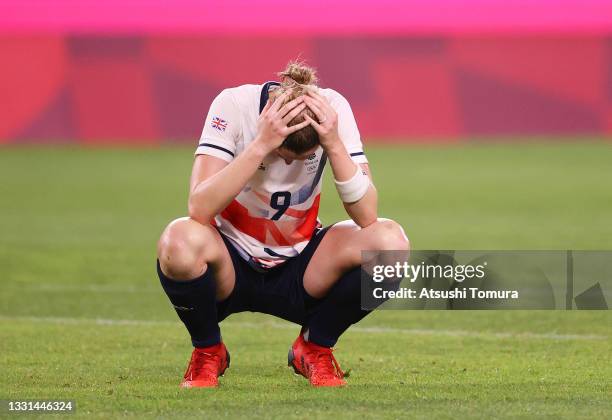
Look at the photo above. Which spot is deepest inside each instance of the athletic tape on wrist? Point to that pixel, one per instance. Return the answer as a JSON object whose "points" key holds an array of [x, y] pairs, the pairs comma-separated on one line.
{"points": [[354, 189]]}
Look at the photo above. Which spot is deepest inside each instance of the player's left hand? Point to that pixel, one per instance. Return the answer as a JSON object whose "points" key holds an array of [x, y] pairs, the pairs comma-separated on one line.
{"points": [[327, 124]]}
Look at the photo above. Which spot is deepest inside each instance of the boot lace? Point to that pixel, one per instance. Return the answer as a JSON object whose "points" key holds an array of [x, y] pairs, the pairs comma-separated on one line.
{"points": [[203, 364], [325, 365]]}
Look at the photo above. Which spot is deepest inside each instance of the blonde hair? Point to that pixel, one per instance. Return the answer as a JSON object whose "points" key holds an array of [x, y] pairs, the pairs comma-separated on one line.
{"points": [[298, 72], [297, 77]]}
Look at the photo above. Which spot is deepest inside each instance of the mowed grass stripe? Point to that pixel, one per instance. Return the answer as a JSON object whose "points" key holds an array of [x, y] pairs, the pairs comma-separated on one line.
{"points": [[277, 325]]}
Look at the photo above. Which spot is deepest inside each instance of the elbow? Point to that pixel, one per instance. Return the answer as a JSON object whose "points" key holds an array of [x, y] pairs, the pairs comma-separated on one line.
{"points": [[367, 219], [197, 212]]}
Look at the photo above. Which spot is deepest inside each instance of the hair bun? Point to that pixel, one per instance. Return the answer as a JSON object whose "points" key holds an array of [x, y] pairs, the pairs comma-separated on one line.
{"points": [[300, 73]]}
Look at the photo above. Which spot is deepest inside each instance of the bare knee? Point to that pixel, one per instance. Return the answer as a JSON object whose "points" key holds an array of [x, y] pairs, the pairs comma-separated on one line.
{"points": [[388, 235], [181, 249]]}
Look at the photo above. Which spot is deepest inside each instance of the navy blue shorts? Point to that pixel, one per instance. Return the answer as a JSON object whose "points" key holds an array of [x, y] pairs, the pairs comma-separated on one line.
{"points": [[278, 291]]}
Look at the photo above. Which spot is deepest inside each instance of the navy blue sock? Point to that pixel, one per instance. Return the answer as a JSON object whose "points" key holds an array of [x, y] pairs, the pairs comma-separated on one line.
{"points": [[196, 305], [340, 309]]}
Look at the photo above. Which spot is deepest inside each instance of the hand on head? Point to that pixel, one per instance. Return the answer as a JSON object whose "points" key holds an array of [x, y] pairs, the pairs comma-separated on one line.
{"points": [[327, 124], [297, 116], [272, 126]]}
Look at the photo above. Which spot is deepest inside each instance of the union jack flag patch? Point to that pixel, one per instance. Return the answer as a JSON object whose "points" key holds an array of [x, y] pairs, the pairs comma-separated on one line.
{"points": [[218, 124]]}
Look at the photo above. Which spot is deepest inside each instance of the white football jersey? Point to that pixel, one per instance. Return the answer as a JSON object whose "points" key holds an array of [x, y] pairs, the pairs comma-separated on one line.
{"points": [[276, 213]]}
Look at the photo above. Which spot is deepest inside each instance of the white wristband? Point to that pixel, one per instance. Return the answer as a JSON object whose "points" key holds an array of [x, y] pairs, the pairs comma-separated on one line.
{"points": [[355, 188]]}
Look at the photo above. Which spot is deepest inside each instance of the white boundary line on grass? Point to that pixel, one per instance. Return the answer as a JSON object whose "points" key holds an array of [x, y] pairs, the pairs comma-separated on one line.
{"points": [[285, 326], [93, 288]]}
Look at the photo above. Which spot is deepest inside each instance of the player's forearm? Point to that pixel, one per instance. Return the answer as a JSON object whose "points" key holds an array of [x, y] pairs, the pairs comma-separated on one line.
{"points": [[341, 163], [364, 212], [213, 194]]}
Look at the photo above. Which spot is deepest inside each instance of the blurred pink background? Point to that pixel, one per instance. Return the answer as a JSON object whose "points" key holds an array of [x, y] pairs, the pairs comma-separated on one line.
{"points": [[427, 71]]}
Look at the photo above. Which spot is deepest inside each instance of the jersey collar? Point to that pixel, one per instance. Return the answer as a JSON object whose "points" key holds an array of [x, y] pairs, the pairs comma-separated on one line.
{"points": [[263, 98]]}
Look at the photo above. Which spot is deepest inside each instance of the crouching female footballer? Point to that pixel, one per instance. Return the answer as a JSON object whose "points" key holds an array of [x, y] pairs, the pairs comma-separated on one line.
{"points": [[253, 242]]}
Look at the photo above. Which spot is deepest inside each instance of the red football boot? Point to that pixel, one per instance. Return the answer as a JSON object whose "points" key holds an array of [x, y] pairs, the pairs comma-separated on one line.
{"points": [[316, 363], [205, 366]]}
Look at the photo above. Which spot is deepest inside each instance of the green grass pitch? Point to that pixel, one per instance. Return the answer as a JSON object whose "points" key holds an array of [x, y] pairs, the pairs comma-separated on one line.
{"points": [[82, 315]]}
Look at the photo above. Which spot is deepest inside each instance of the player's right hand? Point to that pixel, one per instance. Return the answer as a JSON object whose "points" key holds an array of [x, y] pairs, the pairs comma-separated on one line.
{"points": [[272, 127]]}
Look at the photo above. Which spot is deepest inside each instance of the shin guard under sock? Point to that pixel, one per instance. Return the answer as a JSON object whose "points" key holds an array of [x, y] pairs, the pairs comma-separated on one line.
{"points": [[196, 305], [340, 309]]}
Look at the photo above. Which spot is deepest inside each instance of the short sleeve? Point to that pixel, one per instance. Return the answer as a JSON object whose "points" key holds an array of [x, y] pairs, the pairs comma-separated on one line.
{"points": [[347, 129], [221, 128]]}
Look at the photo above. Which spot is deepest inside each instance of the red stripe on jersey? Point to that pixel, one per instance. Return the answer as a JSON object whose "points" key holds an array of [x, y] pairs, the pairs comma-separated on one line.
{"points": [[264, 229], [309, 221], [298, 214]]}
